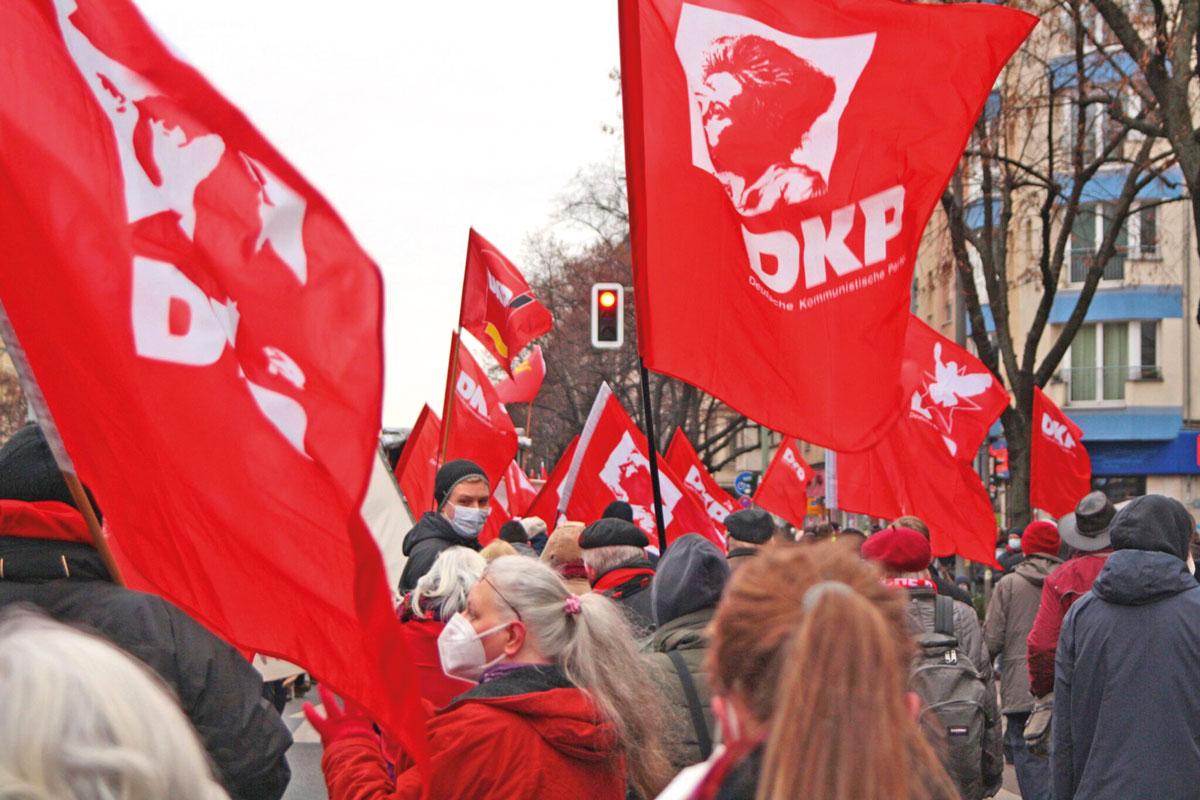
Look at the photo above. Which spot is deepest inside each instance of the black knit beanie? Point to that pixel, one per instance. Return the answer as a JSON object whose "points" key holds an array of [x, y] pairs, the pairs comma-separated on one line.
{"points": [[452, 474]]}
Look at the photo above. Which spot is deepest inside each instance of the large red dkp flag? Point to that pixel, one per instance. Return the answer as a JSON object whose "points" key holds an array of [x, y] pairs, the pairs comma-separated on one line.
{"points": [[479, 426], [416, 470], [1060, 469], [783, 160], [923, 466], [685, 461], [206, 333], [784, 487], [498, 307], [611, 462]]}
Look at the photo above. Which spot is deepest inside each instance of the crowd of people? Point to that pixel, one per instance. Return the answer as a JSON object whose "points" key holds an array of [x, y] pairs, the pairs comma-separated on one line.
{"points": [[576, 662]]}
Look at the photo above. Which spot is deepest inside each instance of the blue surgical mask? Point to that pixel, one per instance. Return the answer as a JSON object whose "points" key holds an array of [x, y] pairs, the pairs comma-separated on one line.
{"points": [[468, 522], [1014, 543]]}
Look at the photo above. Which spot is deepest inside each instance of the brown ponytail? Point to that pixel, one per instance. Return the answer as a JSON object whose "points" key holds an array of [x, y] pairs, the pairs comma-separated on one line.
{"points": [[826, 669]]}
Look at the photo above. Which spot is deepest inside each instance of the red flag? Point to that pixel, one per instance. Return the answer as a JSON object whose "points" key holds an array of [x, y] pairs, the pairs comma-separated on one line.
{"points": [[498, 306], [416, 470], [515, 493], [784, 487], [612, 463], [546, 504], [699, 482], [526, 380], [1060, 469], [206, 333], [783, 160], [480, 428], [923, 466]]}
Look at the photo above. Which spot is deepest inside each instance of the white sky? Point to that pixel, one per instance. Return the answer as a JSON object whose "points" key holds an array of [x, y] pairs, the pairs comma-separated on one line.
{"points": [[417, 121]]}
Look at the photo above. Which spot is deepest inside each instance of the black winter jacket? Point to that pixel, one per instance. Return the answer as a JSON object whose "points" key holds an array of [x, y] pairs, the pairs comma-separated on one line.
{"points": [[1126, 694], [217, 688], [432, 534]]}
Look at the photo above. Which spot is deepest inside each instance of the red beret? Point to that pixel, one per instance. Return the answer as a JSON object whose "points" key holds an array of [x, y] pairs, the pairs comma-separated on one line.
{"points": [[1041, 537], [899, 550]]}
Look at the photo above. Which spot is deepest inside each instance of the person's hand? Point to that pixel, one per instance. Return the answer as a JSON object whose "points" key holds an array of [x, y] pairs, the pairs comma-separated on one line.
{"points": [[338, 723]]}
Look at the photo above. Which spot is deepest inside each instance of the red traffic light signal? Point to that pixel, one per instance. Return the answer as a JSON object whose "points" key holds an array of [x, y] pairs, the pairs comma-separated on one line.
{"points": [[608, 315]]}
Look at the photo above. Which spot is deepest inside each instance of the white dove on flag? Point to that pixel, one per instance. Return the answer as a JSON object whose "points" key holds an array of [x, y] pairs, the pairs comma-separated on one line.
{"points": [[951, 388]]}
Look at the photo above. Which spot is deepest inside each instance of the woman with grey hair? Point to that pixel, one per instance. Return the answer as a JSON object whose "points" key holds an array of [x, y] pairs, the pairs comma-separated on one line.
{"points": [[440, 594], [565, 707], [81, 720]]}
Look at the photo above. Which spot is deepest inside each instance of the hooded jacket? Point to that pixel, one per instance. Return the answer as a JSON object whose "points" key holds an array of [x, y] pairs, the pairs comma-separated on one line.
{"points": [[46, 564], [528, 734], [1010, 616], [1126, 698], [432, 534]]}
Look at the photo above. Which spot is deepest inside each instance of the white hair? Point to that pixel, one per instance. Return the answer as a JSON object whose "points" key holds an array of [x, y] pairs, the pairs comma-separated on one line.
{"points": [[444, 588], [81, 720], [597, 652], [605, 559]]}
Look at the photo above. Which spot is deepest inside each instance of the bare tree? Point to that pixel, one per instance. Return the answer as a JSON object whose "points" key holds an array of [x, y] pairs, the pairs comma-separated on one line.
{"points": [[1050, 159], [12, 401]]}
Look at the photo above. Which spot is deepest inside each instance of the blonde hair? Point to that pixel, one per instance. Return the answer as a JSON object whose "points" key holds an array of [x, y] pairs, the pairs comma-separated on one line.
{"points": [[445, 587], [81, 720], [596, 650], [819, 649], [497, 549]]}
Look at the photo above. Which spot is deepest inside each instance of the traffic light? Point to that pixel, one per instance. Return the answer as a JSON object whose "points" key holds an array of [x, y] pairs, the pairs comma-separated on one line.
{"points": [[608, 315]]}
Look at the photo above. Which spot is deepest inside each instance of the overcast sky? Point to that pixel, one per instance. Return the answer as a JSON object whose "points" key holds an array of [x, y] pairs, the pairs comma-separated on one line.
{"points": [[417, 121]]}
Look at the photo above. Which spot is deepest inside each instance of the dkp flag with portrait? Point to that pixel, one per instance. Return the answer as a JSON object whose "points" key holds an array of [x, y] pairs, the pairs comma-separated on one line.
{"points": [[783, 160], [207, 336]]}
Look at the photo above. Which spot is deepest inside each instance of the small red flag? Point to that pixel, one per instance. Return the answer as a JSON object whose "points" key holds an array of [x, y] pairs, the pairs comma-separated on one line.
{"points": [[698, 481], [1060, 469], [498, 307], [545, 505], [923, 466], [783, 160], [207, 336], [479, 426], [526, 380], [611, 463], [784, 487], [515, 493], [416, 470]]}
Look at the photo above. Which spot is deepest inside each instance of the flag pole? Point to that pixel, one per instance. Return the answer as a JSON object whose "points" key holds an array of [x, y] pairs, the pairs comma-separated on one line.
{"points": [[452, 369], [658, 503], [37, 403]]}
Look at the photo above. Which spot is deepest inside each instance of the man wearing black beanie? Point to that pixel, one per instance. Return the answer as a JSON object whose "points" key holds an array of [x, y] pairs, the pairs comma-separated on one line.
{"points": [[462, 495], [1126, 698]]}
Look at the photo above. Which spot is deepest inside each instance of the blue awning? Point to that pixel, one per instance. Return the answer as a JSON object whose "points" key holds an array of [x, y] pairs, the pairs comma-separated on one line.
{"points": [[1125, 303], [1098, 68], [1106, 185], [1178, 456], [1130, 424]]}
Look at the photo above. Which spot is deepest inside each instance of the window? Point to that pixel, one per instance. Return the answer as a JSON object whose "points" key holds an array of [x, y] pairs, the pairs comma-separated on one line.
{"points": [[1147, 367], [1087, 234], [1099, 363], [1143, 233], [1121, 488]]}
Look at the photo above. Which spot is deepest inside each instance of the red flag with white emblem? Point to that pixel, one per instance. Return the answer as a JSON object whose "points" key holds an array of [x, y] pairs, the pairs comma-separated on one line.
{"points": [[526, 380], [611, 463], [924, 465], [416, 470], [498, 307], [1060, 469], [479, 427], [784, 487], [697, 480], [207, 336], [783, 160]]}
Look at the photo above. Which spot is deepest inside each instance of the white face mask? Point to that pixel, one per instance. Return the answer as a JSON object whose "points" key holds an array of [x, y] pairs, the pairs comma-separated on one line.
{"points": [[1014, 544], [460, 649], [468, 522]]}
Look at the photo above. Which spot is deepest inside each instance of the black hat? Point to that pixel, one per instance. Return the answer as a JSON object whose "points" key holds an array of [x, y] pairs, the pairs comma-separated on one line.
{"points": [[618, 509], [691, 576], [751, 525], [29, 472], [1154, 523], [612, 533], [452, 474], [514, 532], [1086, 528]]}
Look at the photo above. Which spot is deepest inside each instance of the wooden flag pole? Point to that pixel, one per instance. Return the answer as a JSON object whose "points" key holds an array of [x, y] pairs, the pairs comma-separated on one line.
{"points": [[658, 503], [93, 522]]}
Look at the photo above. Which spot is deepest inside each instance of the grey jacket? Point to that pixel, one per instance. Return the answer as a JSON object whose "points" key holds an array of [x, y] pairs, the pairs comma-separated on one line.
{"points": [[688, 636], [1010, 616]]}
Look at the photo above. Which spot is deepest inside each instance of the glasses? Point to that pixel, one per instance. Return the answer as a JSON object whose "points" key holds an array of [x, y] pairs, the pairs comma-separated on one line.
{"points": [[502, 597]]}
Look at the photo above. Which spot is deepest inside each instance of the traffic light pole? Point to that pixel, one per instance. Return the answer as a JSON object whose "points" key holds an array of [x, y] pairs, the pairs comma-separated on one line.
{"points": [[658, 503]]}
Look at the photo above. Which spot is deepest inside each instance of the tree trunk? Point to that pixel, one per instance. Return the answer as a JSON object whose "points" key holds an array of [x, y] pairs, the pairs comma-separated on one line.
{"points": [[1017, 432]]}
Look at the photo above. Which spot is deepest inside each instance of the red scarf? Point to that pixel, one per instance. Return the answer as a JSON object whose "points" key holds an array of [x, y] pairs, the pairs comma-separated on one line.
{"points": [[47, 519], [619, 576], [912, 583]]}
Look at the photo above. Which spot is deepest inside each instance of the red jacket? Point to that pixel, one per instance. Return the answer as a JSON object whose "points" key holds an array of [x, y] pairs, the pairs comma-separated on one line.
{"points": [[1063, 587], [527, 734], [420, 636]]}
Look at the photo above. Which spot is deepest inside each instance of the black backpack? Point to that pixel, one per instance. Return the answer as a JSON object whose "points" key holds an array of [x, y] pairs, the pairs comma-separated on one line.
{"points": [[953, 698]]}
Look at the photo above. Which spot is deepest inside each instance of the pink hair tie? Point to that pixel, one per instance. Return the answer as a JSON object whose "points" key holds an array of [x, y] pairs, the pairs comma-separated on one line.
{"points": [[572, 605]]}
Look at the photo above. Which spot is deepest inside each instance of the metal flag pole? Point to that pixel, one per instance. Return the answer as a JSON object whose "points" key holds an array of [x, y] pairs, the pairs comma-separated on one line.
{"points": [[658, 503], [37, 404]]}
